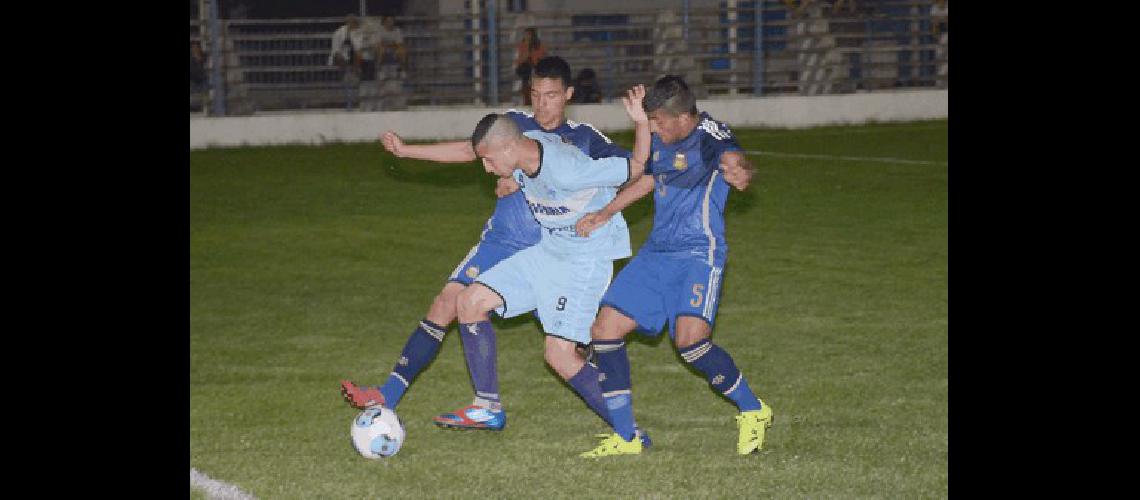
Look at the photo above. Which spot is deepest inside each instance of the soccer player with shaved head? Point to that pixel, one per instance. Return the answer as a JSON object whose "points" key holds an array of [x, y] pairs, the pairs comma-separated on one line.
{"points": [[563, 277]]}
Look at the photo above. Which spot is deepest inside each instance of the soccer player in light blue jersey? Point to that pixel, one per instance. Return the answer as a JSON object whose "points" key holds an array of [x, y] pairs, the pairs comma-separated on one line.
{"points": [[563, 277], [675, 277], [510, 228]]}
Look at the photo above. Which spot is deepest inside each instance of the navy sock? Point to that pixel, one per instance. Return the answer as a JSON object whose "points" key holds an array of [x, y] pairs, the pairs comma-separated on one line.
{"points": [[721, 373], [613, 361], [482, 361], [585, 383], [421, 349]]}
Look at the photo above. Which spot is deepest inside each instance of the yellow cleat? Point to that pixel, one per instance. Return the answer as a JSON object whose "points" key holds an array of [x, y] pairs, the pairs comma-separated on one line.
{"points": [[613, 444], [752, 426]]}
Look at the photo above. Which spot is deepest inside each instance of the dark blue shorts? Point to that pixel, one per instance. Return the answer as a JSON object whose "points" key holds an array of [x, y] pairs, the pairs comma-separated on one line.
{"points": [[482, 257], [655, 288]]}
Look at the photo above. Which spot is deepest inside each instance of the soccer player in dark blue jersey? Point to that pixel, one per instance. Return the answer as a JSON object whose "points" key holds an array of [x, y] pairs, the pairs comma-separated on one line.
{"points": [[511, 228], [676, 275]]}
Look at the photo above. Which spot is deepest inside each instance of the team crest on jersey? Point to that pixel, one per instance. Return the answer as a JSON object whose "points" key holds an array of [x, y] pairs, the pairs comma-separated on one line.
{"points": [[472, 272], [679, 162]]}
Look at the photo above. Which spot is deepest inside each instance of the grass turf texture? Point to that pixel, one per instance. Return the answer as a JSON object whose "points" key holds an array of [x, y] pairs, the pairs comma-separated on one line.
{"points": [[312, 264]]}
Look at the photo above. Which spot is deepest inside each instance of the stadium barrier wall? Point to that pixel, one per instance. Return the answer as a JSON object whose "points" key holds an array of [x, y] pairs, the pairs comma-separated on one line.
{"points": [[454, 122]]}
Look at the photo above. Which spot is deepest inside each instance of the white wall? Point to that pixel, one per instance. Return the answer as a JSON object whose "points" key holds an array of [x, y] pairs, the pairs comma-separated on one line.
{"points": [[458, 122]]}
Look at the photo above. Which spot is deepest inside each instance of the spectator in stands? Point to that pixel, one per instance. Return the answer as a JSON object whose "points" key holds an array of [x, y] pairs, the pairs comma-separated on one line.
{"points": [[939, 17], [198, 80], [393, 64], [347, 43], [796, 8], [197, 66], [369, 87], [529, 50], [851, 5], [586, 87]]}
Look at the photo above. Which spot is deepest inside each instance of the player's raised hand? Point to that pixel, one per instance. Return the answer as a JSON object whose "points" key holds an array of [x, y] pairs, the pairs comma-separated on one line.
{"points": [[632, 101], [589, 222], [392, 142], [737, 170], [505, 186]]}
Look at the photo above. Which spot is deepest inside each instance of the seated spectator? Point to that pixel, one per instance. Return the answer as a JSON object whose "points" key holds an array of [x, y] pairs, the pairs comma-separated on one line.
{"points": [[940, 17], [347, 43], [199, 83], [391, 44], [529, 50], [392, 64], [197, 67], [586, 87]]}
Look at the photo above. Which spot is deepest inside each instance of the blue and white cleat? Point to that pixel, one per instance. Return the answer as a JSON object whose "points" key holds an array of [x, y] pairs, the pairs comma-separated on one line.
{"points": [[472, 417]]}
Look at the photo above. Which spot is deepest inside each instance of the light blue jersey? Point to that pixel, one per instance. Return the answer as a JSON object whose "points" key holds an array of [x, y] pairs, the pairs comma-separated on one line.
{"points": [[564, 276], [568, 185], [511, 225]]}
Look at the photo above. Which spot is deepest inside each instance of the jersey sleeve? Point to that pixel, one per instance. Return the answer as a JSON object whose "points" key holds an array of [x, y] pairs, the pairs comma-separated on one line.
{"points": [[602, 147], [588, 173], [521, 119], [718, 140]]}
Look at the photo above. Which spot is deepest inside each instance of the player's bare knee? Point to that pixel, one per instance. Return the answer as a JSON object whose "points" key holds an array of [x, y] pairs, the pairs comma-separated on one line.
{"points": [[690, 331], [561, 355], [474, 302], [467, 303], [444, 307], [610, 325]]}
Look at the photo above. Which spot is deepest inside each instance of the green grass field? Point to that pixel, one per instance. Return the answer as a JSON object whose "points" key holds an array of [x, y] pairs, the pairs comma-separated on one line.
{"points": [[312, 264]]}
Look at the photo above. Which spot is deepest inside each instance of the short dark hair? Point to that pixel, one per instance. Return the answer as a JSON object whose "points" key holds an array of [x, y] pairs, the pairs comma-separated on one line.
{"points": [[481, 129], [553, 67], [671, 94]]}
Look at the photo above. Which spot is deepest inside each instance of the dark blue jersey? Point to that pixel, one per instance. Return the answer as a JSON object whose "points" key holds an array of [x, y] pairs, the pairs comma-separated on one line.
{"points": [[512, 224], [690, 193]]}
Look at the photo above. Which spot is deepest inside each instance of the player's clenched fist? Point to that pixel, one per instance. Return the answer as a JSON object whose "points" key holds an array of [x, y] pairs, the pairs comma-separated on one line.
{"points": [[392, 142], [589, 222], [737, 170]]}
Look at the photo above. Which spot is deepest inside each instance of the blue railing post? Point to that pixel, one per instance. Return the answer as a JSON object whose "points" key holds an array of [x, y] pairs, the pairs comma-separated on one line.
{"points": [[685, 20], [217, 83], [758, 50], [493, 51]]}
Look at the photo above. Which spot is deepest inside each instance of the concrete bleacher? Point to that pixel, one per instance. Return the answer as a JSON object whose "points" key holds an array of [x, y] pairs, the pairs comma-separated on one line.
{"points": [[275, 65]]}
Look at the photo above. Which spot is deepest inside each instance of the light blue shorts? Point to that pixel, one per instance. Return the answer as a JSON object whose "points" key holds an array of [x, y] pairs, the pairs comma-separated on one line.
{"points": [[564, 292]]}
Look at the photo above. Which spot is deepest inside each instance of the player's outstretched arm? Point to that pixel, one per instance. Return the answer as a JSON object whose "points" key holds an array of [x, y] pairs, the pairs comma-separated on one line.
{"points": [[629, 194], [641, 135], [444, 152], [737, 169]]}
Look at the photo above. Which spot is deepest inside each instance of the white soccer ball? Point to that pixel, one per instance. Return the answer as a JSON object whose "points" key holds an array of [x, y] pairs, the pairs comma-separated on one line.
{"points": [[377, 433]]}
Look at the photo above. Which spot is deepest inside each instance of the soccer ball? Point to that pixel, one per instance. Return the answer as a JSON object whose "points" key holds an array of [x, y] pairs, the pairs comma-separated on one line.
{"points": [[377, 433]]}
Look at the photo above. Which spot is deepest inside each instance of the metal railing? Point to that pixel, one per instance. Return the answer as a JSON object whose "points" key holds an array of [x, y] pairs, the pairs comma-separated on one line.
{"points": [[282, 64]]}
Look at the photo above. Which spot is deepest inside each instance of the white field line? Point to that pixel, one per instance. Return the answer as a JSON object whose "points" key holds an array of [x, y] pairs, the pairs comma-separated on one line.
{"points": [[217, 489], [815, 132], [848, 158]]}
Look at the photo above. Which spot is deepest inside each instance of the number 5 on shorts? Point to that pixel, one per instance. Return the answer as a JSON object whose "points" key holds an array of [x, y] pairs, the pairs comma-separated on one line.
{"points": [[698, 290]]}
